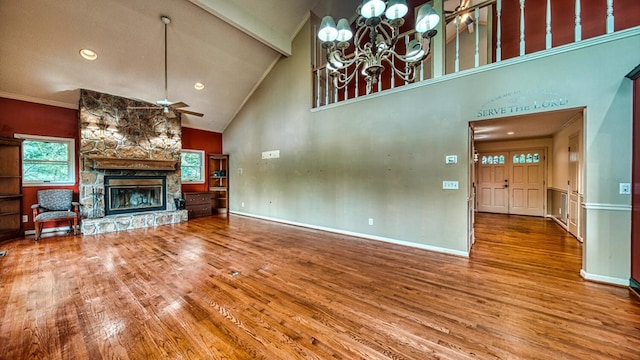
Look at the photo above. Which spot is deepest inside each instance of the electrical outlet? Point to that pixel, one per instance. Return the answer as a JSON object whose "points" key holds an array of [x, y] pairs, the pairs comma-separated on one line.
{"points": [[242, 204], [240, 171], [370, 221], [625, 189], [25, 218]]}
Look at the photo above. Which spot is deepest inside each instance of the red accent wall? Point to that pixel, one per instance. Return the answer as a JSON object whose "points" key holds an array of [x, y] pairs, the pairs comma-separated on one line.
{"points": [[593, 17], [22, 117], [210, 142], [635, 186]]}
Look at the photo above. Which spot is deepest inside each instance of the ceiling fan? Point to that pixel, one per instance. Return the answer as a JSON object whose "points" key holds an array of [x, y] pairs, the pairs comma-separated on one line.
{"points": [[168, 107]]}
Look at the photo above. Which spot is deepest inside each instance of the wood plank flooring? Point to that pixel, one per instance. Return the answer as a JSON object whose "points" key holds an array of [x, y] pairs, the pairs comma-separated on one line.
{"points": [[241, 288]]}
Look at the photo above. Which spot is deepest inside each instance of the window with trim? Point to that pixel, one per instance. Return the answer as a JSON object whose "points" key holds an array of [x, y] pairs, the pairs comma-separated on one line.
{"points": [[48, 160], [192, 165]]}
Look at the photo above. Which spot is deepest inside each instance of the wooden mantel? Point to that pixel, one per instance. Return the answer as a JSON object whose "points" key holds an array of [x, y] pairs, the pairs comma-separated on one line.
{"points": [[104, 163]]}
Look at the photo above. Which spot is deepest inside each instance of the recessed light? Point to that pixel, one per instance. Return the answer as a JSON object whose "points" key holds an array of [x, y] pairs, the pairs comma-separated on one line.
{"points": [[510, 133], [199, 86], [88, 54]]}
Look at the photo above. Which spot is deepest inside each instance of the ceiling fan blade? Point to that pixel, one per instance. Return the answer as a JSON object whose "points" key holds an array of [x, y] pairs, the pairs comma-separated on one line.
{"points": [[178, 105], [190, 112]]}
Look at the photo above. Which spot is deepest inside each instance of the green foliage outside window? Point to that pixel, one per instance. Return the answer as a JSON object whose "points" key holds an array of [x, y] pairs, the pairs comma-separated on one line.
{"points": [[45, 161], [192, 164]]}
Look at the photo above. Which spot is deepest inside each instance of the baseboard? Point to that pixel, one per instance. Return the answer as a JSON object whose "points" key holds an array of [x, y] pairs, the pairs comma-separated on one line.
{"points": [[360, 235], [50, 230], [635, 287], [563, 225], [604, 279]]}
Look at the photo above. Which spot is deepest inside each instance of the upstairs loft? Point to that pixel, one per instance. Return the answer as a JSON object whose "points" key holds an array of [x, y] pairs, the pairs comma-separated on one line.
{"points": [[482, 36]]}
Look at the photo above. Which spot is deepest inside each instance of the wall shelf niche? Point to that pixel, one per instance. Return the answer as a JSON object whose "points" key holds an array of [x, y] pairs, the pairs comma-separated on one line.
{"points": [[219, 182], [10, 188]]}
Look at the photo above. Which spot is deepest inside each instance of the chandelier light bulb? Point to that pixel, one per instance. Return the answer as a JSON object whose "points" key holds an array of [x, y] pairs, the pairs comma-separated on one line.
{"points": [[427, 19], [372, 8], [397, 9], [344, 30], [328, 31]]}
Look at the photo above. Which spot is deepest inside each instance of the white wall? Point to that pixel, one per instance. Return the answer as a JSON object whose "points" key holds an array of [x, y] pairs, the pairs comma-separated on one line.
{"points": [[561, 155], [383, 157]]}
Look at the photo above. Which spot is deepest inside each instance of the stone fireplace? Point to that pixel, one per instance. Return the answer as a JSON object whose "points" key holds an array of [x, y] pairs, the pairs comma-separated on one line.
{"points": [[129, 164]]}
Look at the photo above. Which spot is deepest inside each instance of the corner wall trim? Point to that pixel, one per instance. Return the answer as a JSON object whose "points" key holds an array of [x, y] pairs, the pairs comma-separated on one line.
{"points": [[604, 279], [612, 207], [635, 286], [360, 235]]}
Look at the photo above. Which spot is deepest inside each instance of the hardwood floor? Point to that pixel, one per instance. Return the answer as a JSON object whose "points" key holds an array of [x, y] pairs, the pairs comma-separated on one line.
{"points": [[241, 288]]}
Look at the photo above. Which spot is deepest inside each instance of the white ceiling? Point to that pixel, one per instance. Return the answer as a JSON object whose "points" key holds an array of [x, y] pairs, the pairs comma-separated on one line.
{"points": [[227, 45], [524, 126]]}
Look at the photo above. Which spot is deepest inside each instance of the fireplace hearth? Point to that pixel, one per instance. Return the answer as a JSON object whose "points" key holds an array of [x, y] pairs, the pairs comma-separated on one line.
{"points": [[131, 194]]}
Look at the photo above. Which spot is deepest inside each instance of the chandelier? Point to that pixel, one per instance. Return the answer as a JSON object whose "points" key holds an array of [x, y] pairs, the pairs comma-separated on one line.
{"points": [[376, 36]]}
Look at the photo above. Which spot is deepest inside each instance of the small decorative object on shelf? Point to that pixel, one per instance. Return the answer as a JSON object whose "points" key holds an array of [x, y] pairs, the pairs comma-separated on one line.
{"points": [[219, 182]]}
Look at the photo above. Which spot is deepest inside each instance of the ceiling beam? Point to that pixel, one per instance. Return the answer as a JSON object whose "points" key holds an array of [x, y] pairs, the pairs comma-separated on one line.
{"points": [[247, 23]]}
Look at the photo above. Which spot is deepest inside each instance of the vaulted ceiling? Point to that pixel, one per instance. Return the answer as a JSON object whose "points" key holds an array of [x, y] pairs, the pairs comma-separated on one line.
{"points": [[227, 45]]}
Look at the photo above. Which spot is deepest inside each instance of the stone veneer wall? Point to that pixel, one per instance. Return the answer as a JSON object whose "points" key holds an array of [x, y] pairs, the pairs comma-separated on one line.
{"points": [[108, 128]]}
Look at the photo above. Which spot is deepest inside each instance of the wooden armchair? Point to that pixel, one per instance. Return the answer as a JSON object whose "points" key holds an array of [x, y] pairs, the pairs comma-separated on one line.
{"points": [[55, 205]]}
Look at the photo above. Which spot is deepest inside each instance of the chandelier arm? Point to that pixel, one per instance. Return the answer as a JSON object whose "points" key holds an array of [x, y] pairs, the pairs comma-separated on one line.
{"points": [[341, 80], [357, 40], [390, 40], [404, 74], [342, 58], [408, 75]]}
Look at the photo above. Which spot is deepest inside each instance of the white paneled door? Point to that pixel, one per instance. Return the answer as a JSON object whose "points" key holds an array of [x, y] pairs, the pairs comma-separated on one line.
{"points": [[493, 186], [512, 182]]}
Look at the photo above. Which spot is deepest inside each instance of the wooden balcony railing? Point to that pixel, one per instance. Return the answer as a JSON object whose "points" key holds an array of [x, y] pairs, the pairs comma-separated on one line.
{"points": [[486, 33]]}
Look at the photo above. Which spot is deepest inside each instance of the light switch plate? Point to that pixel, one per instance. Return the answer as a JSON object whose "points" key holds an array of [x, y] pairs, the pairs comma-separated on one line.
{"points": [[273, 154], [451, 159]]}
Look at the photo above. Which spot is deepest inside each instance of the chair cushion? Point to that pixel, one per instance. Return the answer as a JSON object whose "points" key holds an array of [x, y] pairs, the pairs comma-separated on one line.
{"points": [[55, 215], [58, 199]]}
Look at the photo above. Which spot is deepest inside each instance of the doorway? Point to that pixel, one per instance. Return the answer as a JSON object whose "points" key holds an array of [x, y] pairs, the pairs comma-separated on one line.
{"points": [[529, 165]]}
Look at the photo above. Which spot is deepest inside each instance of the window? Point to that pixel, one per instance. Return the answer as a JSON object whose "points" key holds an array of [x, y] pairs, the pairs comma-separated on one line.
{"points": [[493, 159], [192, 165], [47, 160], [528, 158]]}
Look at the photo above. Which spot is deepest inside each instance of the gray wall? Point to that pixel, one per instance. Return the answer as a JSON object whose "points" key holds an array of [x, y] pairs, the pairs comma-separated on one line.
{"points": [[384, 157]]}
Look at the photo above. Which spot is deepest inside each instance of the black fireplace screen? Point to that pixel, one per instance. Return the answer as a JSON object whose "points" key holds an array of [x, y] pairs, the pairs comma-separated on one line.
{"points": [[128, 194]]}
